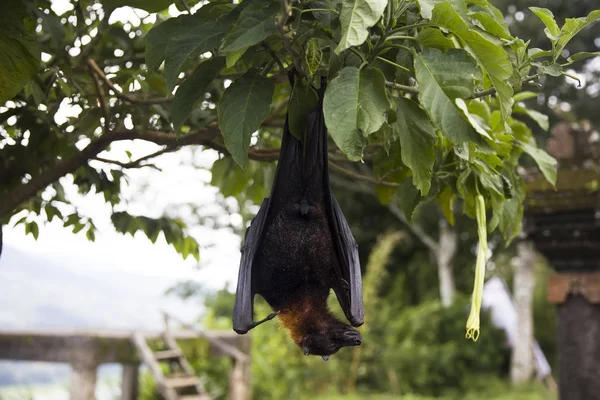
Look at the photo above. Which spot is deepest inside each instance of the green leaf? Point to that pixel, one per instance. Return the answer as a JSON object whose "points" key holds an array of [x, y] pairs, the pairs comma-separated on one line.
{"points": [[434, 38], [552, 31], [32, 227], [572, 27], [445, 199], [408, 198], [326, 17], [159, 37], [356, 17], [475, 120], [490, 56], [312, 57], [545, 162], [20, 55], [193, 89], [51, 25], [538, 117], [417, 142], [355, 105], [90, 234], [151, 6], [303, 99], [255, 23], [52, 212], [205, 36], [547, 68], [244, 106], [490, 25], [526, 95], [233, 57], [581, 56], [442, 77], [426, 6]]}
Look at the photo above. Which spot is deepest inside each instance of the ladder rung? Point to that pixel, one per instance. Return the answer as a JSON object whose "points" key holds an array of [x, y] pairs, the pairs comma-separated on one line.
{"points": [[167, 355], [184, 381]]}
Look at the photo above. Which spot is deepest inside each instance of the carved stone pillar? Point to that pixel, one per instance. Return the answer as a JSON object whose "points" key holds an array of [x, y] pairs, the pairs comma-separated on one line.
{"points": [[564, 224]]}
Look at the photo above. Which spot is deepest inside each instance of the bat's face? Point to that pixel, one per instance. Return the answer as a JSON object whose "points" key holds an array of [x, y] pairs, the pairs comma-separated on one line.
{"points": [[326, 339]]}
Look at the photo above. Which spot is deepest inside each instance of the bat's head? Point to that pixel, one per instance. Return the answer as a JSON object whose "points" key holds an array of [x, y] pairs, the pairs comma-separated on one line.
{"points": [[327, 339], [315, 329]]}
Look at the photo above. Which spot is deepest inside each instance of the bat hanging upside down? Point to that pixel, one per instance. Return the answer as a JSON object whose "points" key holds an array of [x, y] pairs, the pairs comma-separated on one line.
{"points": [[298, 247]]}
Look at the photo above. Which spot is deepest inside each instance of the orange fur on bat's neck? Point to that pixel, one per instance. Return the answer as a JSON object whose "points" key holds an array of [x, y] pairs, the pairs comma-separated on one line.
{"points": [[307, 312]]}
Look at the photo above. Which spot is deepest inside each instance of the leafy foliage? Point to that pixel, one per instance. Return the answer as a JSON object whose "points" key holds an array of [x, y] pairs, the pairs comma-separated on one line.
{"points": [[432, 82]]}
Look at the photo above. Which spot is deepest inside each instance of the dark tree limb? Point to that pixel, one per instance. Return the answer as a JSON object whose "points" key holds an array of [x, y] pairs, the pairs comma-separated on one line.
{"points": [[125, 97]]}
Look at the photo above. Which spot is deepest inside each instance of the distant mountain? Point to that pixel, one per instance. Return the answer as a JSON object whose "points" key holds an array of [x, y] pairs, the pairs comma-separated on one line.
{"points": [[39, 293]]}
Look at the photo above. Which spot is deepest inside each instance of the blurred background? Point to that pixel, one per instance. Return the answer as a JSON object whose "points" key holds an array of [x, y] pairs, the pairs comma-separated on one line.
{"points": [[418, 276]]}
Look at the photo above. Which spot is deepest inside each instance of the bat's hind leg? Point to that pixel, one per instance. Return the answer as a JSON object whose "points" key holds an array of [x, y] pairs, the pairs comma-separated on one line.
{"points": [[268, 318]]}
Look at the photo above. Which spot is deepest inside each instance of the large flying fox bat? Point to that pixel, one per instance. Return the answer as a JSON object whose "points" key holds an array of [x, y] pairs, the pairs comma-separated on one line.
{"points": [[298, 247]]}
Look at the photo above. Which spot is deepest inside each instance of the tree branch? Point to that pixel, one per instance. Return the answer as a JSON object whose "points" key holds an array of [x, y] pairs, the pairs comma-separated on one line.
{"points": [[360, 177], [417, 232], [491, 91], [402, 88], [98, 71]]}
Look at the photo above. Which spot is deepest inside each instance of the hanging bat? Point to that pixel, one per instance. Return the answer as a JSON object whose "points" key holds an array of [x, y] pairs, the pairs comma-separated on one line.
{"points": [[298, 247]]}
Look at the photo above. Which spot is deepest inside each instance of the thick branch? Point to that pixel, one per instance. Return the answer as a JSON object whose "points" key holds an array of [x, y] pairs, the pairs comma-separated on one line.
{"points": [[125, 97], [22, 193]]}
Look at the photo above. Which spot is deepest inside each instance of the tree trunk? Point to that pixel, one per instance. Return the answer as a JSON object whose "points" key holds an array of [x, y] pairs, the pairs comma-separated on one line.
{"points": [[445, 258], [522, 363]]}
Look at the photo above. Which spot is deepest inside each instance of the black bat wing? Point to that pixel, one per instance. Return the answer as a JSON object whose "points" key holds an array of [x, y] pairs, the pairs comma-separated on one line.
{"points": [[243, 310], [347, 281]]}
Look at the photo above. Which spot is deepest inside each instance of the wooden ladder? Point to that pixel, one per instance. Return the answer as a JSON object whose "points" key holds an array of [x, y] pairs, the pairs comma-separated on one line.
{"points": [[183, 385]]}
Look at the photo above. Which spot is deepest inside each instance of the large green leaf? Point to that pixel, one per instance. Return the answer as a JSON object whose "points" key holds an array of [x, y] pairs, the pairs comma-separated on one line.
{"points": [[572, 27], [355, 105], [19, 54], [160, 35], [303, 99], [442, 77], [326, 17], [417, 140], [244, 106], [490, 56], [356, 17], [148, 5], [552, 30], [202, 37], [193, 89], [545, 162], [434, 38], [581, 56], [426, 6], [255, 23], [490, 24]]}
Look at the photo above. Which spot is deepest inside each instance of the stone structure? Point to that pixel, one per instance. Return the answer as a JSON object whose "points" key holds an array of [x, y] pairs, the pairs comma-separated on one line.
{"points": [[86, 350], [564, 224]]}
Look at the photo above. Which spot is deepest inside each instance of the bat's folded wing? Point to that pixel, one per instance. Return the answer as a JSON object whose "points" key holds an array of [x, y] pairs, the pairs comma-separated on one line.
{"points": [[347, 282], [243, 310]]}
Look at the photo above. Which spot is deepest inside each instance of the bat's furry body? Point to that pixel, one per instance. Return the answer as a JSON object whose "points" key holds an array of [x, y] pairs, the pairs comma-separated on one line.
{"points": [[299, 246]]}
